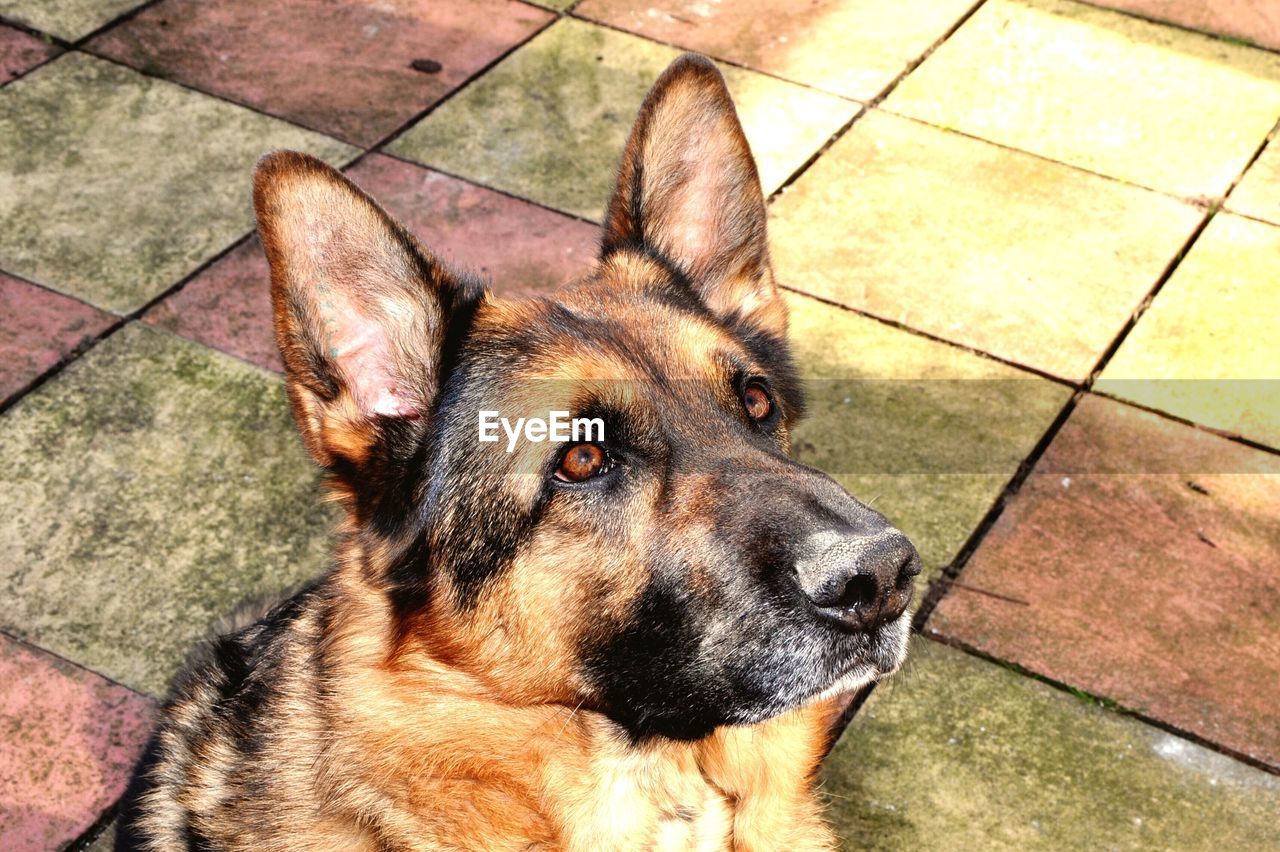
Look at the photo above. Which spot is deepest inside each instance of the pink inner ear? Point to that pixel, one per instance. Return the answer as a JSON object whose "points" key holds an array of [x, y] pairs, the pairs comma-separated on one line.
{"points": [[362, 350]]}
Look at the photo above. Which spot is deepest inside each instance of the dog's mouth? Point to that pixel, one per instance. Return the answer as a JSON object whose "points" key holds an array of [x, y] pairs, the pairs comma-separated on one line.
{"points": [[885, 655]]}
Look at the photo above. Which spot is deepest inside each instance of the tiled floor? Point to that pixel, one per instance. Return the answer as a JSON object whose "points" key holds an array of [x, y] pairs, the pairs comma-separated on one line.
{"points": [[1034, 303], [20, 52]]}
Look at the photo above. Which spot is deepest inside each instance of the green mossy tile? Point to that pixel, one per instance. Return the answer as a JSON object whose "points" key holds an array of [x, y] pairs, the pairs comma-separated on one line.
{"points": [[148, 489], [925, 432], [114, 185], [67, 19], [961, 754], [1208, 348], [549, 122], [1166, 108]]}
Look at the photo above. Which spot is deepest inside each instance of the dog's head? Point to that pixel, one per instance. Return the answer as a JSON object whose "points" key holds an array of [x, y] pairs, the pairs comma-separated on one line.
{"points": [[678, 572]]}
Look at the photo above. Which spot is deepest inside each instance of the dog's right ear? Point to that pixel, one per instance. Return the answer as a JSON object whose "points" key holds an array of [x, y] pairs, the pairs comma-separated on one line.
{"points": [[361, 310]]}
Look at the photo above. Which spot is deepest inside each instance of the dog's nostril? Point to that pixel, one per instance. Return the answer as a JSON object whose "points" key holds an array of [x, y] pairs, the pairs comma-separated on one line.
{"points": [[908, 570], [860, 592]]}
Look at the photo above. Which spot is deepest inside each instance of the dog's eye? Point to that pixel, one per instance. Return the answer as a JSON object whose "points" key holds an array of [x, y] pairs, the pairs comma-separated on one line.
{"points": [[581, 462], [755, 399]]}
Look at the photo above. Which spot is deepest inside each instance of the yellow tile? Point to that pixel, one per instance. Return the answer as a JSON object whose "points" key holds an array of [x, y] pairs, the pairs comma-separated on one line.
{"points": [[1208, 348], [853, 48], [1162, 107], [1258, 194], [1034, 261]]}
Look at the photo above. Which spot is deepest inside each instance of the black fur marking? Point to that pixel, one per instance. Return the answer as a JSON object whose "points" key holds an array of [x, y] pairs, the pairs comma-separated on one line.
{"points": [[645, 671], [481, 547], [127, 837]]}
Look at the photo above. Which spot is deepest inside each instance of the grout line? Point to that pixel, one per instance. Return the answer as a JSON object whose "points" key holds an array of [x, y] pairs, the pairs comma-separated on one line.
{"points": [[939, 586], [920, 60], [84, 347], [1226, 38], [43, 651], [1202, 201], [465, 84], [63, 48], [1143, 305], [953, 344], [53, 290], [911, 66], [816, 155], [120, 322], [1257, 155], [122, 18], [226, 99], [1233, 437], [1102, 702], [1251, 218], [473, 182]]}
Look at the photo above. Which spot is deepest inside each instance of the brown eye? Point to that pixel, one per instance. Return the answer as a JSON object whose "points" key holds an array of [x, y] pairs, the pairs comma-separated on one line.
{"points": [[582, 462], [755, 400]]}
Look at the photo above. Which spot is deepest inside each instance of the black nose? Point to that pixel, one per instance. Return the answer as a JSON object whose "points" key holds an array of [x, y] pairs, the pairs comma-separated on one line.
{"points": [[859, 580]]}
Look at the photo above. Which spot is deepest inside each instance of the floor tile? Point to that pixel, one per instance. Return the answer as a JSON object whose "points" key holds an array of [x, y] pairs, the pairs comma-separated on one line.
{"points": [[522, 249], [549, 122], [38, 328], [150, 488], [1162, 107], [21, 51], [114, 185], [1256, 21], [961, 754], [1033, 261], [927, 433], [1258, 193], [342, 67], [1207, 349], [67, 19], [106, 841], [1144, 554], [71, 739], [853, 48]]}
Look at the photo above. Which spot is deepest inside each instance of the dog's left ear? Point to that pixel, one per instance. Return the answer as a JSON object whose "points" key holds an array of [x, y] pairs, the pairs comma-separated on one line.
{"points": [[688, 189]]}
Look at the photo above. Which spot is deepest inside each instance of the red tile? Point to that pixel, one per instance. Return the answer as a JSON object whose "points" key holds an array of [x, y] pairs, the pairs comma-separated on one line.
{"points": [[339, 66], [1257, 21], [1146, 556], [70, 741], [20, 51], [522, 249], [37, 329]]}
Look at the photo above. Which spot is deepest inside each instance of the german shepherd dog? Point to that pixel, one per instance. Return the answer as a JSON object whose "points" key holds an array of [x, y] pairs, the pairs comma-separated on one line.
{"points": [[643, 641]]}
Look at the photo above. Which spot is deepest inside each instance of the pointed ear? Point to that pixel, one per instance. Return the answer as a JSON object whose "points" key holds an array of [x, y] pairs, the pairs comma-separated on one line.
{"points": [[360, 309], [688, 189]]}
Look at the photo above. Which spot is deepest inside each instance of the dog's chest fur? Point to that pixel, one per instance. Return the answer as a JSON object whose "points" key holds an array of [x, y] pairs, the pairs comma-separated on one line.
{"points": [[390, 759]]}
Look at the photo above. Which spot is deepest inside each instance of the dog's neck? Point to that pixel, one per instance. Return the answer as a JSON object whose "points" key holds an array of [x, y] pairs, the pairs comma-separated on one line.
{"points": [[551, 773]]}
